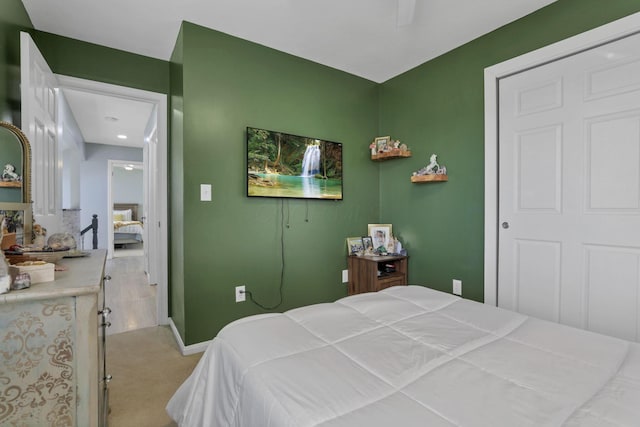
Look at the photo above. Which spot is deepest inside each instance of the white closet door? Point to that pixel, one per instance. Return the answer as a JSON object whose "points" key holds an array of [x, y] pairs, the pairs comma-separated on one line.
{"points": [[569, 190], [39, 118]]}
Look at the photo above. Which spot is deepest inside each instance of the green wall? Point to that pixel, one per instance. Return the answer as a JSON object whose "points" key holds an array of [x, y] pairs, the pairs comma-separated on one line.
{"points": [[90, 61], [229, 84], [438, 107], [13, 19], [220, 84]]}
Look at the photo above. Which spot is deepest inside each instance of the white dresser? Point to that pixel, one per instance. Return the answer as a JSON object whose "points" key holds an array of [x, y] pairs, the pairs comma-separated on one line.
{"points": [[52, 365]]}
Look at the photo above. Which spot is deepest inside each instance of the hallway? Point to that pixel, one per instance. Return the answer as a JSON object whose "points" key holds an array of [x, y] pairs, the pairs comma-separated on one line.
{"points": [[128, 294]]}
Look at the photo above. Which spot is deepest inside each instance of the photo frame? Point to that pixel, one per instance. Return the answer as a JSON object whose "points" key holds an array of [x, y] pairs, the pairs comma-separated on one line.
{"points": [[354, 246], [367, 245], [380, 235], [16, 223], [382, 142]]}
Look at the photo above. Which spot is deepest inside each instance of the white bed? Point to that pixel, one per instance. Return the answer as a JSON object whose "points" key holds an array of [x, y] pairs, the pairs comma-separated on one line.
{"points": [[127, 228], [409, 356]]}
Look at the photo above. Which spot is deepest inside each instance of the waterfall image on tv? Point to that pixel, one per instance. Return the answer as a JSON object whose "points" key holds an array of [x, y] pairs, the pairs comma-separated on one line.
{"points": [[284, 165]]}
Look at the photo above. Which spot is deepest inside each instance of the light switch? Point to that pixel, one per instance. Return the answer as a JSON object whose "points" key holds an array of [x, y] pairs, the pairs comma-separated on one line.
{"points": [[205, 192]]}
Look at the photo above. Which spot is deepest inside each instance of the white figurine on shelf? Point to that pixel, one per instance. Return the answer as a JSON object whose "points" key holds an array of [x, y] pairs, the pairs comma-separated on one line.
{"points": [[433, 165], [9, 173], [433, 168]]}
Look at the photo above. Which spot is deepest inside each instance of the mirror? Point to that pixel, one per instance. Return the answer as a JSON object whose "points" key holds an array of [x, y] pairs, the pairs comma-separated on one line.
{"points": [[15, 163], [15, 184]]}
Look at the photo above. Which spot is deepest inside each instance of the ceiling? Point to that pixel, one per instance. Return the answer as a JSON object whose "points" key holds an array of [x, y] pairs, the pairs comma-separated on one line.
{"points": [[373, 39], [102, 118]]}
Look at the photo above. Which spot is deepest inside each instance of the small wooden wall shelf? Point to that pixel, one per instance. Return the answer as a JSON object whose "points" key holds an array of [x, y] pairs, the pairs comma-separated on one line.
{"points": [[393, 154], [429, 178], [12, 184]]}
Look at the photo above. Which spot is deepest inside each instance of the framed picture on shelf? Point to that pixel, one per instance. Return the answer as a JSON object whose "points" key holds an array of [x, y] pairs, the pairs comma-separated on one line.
{"points": [[382, 142], [380, 235], [354, 246], [367, 244]]}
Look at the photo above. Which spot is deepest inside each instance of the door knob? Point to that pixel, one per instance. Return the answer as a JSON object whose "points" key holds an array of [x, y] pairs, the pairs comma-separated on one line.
{"points": [[505, 224]]}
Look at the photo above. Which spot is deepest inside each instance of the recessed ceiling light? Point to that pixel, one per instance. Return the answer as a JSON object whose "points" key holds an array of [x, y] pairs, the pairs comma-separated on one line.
{"points": [[122, 136], [111, 118], [128, 168]]}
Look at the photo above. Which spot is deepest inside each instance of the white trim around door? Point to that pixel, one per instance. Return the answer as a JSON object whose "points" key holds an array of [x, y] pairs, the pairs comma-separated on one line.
{"points": [[492, 75], [159, 254]]}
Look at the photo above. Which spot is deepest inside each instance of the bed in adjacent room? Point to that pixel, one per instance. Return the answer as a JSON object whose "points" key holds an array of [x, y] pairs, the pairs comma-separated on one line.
{"points": [[127, 227], [409, 356]]}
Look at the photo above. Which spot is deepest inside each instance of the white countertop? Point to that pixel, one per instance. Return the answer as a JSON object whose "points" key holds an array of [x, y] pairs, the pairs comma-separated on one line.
{"points": [[83, 276]]}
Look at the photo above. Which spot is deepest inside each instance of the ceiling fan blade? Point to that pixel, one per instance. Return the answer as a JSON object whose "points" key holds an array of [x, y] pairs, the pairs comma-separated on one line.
{"points": [[406, 9]]}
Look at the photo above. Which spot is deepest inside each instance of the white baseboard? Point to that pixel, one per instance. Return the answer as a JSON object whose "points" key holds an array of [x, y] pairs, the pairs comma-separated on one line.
{"points": [[190, 349]]}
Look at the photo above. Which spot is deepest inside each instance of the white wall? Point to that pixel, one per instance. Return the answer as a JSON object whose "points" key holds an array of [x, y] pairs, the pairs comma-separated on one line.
{"points": [[127, 186], [93, 187]]}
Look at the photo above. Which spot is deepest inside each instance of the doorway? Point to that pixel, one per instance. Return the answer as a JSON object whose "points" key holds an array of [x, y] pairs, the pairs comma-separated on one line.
{"points": [[586, 299], [154, 164], [126, 197]]}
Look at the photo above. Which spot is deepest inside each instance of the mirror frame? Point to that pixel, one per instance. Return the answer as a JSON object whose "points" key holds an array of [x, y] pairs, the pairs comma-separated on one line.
{"points": [[25, 205], [26, 159]]}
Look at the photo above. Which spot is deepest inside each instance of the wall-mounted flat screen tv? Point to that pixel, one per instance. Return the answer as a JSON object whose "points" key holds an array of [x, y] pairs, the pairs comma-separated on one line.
{"points": [[284, 165]]}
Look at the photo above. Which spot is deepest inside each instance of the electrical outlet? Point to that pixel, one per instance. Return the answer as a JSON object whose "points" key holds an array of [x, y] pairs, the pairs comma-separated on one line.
{"points": [[345, 276], [240, 294], [457, 287]]}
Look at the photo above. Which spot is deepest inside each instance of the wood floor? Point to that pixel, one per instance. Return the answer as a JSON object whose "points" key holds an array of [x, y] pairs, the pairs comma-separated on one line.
{"points": [[131, 299]]}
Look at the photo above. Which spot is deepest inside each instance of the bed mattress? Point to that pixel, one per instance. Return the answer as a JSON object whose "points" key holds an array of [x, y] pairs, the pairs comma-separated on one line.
{"points": [[127, 227], [409, 356]]}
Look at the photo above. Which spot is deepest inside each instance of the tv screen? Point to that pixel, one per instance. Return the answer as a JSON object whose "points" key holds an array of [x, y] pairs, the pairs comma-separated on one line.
{"points": [[284, 165]]}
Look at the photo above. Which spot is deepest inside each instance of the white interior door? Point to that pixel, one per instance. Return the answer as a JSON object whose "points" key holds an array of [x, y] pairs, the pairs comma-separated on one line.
{"points": [[39, 118], [150, 237], [569, 190]]}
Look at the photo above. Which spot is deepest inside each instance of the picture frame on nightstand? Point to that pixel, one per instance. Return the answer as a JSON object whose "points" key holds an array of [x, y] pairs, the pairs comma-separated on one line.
{"points": [[380, 235], [354, 246], [367, 245]]}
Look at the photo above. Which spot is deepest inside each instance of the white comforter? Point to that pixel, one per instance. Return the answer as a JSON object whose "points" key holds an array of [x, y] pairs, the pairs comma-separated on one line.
{"points": [[129, 227], [409, 356]]}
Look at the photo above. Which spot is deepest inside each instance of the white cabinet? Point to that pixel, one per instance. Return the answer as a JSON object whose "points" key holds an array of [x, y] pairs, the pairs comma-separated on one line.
{"points": [[52, 348]]}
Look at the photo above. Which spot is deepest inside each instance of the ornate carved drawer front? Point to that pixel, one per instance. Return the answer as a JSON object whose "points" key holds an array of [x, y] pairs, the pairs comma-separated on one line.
{"points": [[37, 363]]}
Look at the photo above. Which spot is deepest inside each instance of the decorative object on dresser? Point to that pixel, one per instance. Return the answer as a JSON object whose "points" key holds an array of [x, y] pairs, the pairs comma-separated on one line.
{"points": [[15, 155], [15, 186], [373, 273], [15, 199]]}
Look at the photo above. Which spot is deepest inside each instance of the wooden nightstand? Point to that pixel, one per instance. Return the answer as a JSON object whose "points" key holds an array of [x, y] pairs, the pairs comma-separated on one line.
{"points": [[373, 273]]}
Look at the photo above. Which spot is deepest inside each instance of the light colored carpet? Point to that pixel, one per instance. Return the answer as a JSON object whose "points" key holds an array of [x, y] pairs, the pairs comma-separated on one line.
{"points": [[147, 368]]}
